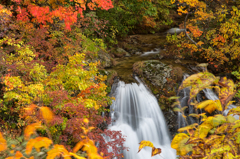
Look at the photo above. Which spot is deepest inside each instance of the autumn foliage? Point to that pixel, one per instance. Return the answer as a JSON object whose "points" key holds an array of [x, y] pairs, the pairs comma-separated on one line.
{"points": [[51, 91], [43, 142], [144, 143], [215, 136], [44, 13], [212, 33]]}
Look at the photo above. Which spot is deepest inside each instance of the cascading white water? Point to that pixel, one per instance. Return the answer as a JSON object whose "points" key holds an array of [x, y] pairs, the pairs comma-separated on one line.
{"points": [[184, 95], [136, 113]]}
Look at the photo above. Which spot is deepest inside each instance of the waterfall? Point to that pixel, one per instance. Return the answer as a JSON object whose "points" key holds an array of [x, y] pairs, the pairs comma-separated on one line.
{"points": [[136, 113]]}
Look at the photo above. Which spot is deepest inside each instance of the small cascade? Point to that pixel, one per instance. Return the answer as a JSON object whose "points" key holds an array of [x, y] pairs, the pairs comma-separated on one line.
{"points": [[184, 95], [136, 113], [152, 52]]}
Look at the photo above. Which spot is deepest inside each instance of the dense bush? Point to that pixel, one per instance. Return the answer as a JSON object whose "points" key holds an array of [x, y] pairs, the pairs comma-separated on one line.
{"points": [[44, 67], [212, 33]]}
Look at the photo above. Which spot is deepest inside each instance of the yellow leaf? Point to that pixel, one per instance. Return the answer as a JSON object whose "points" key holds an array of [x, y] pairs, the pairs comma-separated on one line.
{"points": [[145, 143], [90, 147], [47, 114], [210, 108], [203, 104], [218, 104], [189, 81], [210, 105], [218, 120], [186, 128], [3, 143], [176, 140], [231, 119], [85, 120], [179, 143], [203, 131], [38, 143]]}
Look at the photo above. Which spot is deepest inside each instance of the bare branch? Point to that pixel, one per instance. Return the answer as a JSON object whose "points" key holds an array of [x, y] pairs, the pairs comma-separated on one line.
{"points": [[187, 33]]}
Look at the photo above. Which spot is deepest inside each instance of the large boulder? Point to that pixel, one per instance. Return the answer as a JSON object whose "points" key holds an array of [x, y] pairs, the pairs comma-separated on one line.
{"points": [[161, 78], [120, 52], [104, 58], [157, 72]]}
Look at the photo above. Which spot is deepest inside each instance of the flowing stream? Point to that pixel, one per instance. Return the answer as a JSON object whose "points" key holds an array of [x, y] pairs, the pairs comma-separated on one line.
{"points": [[137, 114]]}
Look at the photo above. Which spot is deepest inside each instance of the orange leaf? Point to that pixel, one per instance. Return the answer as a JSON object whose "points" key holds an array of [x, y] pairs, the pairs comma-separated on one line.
{"points": [[38, 143], [156, 151], [90, 128], [31, 129], [18, 155], [79, 145], [3, 143], [57, 151], [47, 114], [29, 110], [210, 108]]}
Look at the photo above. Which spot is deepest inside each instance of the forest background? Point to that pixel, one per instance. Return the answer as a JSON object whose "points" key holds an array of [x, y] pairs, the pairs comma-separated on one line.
{"points": [[52, 91]]}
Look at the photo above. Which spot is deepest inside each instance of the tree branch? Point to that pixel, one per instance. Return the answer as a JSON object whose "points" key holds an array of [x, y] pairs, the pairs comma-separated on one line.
{"points": [[187, 33]]}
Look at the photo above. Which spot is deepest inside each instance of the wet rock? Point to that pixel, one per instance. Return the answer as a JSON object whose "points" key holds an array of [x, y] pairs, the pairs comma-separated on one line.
{"points": [[177, 74], [171, 121], [120, 52], [127, 54], [104, 58], [157, 72], [177, 61], [161, 78], [175, 30], [160, 56], [111, 75], [138, 53]]}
